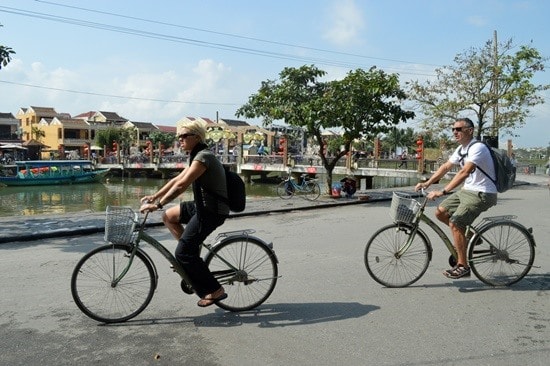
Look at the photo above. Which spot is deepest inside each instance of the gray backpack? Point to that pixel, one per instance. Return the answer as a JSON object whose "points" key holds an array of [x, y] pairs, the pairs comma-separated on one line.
{"points": [[504, 169]]}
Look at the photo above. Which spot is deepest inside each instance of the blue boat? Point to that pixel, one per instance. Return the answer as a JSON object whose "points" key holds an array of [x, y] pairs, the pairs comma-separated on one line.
{"points": [[51, 172]]}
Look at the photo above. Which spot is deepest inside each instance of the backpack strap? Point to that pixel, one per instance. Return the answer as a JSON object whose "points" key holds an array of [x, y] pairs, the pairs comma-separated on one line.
{"points": [[462, 156]]}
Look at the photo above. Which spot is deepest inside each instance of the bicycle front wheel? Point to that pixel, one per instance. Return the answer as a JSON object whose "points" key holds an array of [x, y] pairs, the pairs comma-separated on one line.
{"points": [[98, 296], [390, 267], [247, 269], [502, 253], [285, 189], [312, 190]]}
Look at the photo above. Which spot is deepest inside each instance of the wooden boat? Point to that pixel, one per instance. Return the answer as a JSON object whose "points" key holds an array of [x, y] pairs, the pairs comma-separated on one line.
{"points": [[51, 172]]}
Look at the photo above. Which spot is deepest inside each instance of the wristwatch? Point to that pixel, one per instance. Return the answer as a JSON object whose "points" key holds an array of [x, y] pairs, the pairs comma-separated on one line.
{"points": [[444, 191], [159, 205]]}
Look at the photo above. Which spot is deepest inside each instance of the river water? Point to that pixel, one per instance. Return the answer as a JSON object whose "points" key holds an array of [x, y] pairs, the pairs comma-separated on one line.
{"points": [[55, 200]]}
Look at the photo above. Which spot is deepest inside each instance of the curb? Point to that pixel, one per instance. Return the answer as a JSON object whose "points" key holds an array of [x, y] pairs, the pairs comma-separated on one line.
{"points": [[383, 195], [89, 230]]}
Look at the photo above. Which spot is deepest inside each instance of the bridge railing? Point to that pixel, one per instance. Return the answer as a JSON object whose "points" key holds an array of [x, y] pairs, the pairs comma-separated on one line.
{"points": [[170, 161]]}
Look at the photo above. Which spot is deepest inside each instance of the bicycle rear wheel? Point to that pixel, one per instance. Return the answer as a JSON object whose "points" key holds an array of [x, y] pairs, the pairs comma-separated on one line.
{"points": [[502, 253], [96, 294], [312, 191], [247, 269], [384, 263], [285, 189]]}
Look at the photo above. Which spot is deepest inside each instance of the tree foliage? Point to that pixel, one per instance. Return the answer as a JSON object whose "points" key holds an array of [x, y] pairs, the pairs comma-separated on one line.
{"points": [[165, 138], [480, 80], [362, 105], [108, 136], [5, 54], [37, 133]]}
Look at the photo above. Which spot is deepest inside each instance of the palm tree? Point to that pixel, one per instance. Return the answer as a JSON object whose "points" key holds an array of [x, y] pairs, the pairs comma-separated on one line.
{"points": [[37, 133]]}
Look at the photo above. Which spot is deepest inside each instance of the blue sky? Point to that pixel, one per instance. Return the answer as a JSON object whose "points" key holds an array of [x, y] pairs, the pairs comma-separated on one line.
{"points": [[159, 61]]}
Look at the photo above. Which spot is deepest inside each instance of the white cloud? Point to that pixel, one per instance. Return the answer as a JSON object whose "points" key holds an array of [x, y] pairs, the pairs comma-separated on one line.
{"points": [[344, 23], [160, 96], [477, 20]]}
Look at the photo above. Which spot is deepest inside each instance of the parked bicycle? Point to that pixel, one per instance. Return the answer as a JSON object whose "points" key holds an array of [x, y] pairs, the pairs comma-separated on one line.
{"points": [[115, 282], [307, 187], [501, 251]]}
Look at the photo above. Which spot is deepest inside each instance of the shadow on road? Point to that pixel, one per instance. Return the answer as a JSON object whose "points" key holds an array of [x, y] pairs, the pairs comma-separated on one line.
{"points": [[271, 315]]}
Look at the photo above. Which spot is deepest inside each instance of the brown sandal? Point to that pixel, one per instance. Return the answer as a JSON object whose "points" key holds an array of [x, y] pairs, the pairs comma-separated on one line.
{"points": [[212, 298]]}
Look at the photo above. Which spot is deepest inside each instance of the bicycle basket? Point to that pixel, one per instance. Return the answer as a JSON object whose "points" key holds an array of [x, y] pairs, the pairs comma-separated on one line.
{"points": [[403, 208], [120, 223]]}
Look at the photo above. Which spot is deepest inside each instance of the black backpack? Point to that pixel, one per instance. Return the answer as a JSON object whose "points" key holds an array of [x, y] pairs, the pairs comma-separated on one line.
{"points": [[236, 191], [504, 169]]}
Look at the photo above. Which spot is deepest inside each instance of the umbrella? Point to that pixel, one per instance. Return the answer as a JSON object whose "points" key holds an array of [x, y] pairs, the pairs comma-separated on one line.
{"points": [[13, 146], [95, 147]]}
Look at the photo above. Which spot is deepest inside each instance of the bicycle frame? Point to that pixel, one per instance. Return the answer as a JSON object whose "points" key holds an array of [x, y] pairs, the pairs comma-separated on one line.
{"points": [[143, 236], [421, 216], [301, 187], [472, 230]]}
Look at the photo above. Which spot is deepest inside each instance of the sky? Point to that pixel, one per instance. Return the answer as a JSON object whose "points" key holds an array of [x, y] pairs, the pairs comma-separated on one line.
{"points": [[160, 61]]}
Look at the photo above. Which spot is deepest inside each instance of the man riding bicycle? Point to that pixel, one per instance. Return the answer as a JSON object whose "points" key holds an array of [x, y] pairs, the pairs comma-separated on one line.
{"points": [[477, 195]]}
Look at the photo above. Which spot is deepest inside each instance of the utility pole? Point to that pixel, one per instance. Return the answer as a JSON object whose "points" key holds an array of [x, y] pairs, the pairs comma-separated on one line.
{"points": [[495, 92]]}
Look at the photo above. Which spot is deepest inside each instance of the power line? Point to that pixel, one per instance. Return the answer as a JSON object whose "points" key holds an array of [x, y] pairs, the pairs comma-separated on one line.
{"points": [[231, 35], [195, 42], [116, 96]]}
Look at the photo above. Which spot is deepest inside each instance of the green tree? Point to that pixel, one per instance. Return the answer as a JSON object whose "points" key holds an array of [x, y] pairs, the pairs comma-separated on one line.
{"points": [[37, 133], [492, 86], [363, 104], [400, 137], [165, 138], [108, 136], [5, 54]]}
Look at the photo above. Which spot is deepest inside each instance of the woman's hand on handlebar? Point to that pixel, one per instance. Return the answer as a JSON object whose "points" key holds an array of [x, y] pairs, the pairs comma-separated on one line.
{"points": [[148, 207], [147, 199]]}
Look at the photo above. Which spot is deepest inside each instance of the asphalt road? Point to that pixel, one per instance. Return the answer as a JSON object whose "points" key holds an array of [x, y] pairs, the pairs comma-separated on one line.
{"points": [[325, 309]]}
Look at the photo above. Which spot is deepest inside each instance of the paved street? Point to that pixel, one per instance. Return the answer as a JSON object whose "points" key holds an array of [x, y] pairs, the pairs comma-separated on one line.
{"points": [[325, 309]]}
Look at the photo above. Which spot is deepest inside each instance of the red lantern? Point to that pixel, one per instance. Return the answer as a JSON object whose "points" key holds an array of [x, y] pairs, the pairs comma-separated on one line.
{"points": [[420, 147]]}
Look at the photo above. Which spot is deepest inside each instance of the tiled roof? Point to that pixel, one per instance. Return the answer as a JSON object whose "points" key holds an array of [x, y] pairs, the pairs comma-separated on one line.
{"points": [[208, 120], [87, 115], [44, 111], [112, 116], [167, 129], [7, 115], [144, 125], [234, 122]]}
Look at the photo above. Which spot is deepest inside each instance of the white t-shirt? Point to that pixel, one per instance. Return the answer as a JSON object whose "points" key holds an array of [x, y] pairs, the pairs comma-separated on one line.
{"points": [[477, 153]]}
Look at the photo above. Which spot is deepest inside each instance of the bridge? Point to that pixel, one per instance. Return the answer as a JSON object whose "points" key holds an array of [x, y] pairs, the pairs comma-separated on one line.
{"points": [[256, 166]]}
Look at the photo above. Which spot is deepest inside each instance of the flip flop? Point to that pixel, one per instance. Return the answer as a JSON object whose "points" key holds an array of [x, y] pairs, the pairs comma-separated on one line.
{"points": [[207, 302]]}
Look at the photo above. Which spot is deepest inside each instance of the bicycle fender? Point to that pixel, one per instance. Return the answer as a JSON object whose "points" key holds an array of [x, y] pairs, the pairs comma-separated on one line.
{"points": [[152, 265]]}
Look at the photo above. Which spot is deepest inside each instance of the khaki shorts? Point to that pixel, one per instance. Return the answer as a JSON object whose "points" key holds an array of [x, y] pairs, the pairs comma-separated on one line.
{"points": [[465, 206]]}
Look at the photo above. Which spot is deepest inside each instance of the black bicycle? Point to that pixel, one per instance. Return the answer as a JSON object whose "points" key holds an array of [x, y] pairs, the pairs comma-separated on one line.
{"points": [[115, 282]]}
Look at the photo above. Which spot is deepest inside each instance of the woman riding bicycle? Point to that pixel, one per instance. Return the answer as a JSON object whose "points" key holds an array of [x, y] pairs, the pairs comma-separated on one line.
{"points": [[207, 176], [477, 195]]}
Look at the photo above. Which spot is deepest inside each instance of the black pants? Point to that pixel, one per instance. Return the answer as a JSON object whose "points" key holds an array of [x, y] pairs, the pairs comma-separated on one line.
{"points": [[188, 249]]}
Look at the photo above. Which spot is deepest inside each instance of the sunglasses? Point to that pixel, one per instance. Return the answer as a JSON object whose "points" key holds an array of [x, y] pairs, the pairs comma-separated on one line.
{"points": [[458, 129], [185, 135]]}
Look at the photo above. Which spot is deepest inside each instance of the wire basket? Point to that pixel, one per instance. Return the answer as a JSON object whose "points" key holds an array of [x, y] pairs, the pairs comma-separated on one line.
{"points": [[120, 223], [403, 208]]}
